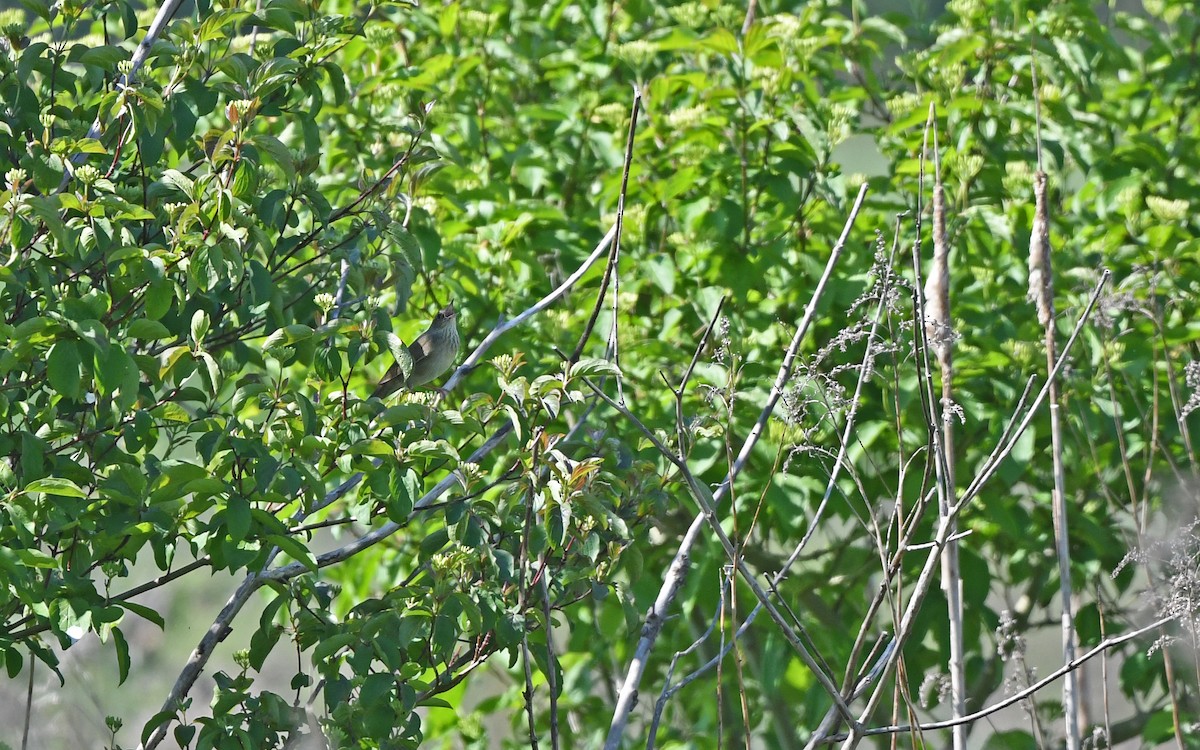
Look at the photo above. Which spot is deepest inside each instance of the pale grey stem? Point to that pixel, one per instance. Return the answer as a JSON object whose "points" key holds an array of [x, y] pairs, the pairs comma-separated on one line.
{"points": [[1024, 694], [1042, 291], [342, 280], [165, 13], [505, 326], [707, 502], [670, 690], [673, 580], [813, 524], [868, 679], [939, 337], [945, 526]]}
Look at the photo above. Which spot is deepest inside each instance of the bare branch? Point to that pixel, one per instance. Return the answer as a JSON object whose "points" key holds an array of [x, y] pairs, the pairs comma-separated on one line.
{"points": [[614, 254], [505, 326], [673, 579], [945, 526], [1017, 697], [705, 499]]}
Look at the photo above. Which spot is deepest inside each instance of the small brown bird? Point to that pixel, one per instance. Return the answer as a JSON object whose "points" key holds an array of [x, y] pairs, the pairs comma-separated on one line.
{"points": [[432, 354]]}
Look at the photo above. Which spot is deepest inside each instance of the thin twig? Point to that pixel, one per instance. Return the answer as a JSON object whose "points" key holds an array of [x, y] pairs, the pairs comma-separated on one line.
{"points": [[1017, 697], [610, 267], [523, 595], [551, 659], [614, 266], [943, 532], [687, 375], [28, 702], [705, 499], [673, 579]]}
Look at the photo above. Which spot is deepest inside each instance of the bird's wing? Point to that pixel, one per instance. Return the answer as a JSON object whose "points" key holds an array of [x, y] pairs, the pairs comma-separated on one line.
{"points": [[392, 381], [390, 384], [421, 348]]}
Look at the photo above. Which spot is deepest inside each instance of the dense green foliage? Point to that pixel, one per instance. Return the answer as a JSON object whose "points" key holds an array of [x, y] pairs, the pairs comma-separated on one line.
{"points": [[198, 300]]}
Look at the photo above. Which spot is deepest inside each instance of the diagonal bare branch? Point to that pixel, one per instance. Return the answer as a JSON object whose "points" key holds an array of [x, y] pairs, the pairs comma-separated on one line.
{"points": [[673, 580]]}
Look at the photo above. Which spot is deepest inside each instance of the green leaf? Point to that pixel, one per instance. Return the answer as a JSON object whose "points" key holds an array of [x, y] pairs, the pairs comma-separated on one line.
{"points": [[400, 353], [433, 543], [35, 327], [436, 449], [88, 146], [211, 371], [36, 559], [91, 332], [268, 632], [287, 336], [102, 56], [280, 153], [331, 645], [144, 328], [160, 295], [13, 662], [199, 327], [328, 363], [116, 372], [448, 19], [1011, 740], [661, 270], [594, 367], [176, 179], [40, 8], [56, 486], [144, 612], [122, 648], [373, 448], [723, 41], [237, 519], [404, 487], [64, 367], [294, 549]]}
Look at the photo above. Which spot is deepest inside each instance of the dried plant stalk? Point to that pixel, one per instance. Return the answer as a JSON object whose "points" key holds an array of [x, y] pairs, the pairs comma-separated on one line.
{"points": [[1041, 292], [940, 337]]}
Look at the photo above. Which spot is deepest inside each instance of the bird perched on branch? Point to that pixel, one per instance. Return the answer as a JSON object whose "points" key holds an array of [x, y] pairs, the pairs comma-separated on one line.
{"points": [[432, 354]]}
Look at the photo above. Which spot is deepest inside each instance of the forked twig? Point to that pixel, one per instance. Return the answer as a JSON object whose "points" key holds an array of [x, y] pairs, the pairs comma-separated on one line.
{"points": [[1021, 695], [673, 579], [945, 527], [705, 499]]}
